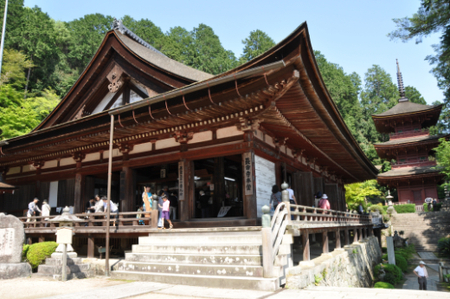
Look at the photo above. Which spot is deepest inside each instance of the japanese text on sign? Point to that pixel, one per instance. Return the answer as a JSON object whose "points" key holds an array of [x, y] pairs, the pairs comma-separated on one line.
{"points": [[248, 175], [180, 180]]}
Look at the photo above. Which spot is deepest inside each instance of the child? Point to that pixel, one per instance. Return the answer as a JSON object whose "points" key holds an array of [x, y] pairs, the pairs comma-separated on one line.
{"points": [[165, 210]]}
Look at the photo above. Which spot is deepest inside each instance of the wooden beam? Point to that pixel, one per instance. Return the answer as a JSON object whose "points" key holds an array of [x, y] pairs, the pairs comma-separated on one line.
{"points": [[338, 238], [79, 193]]}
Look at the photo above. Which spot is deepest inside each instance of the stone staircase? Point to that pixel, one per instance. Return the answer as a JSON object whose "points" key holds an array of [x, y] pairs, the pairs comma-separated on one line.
{"points": [[423, 229], [212, 257], [75, 268]]}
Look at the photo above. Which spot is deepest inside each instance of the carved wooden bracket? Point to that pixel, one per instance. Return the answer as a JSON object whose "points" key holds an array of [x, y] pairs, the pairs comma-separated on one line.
{"points": [[279, 142], [183, 137], [246, 124], [115, 78], [125, 148], [78, 157], [38, 164]]}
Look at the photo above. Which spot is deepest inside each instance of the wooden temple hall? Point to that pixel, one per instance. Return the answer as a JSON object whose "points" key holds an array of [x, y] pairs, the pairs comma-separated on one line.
{"points": [[232, 136]]}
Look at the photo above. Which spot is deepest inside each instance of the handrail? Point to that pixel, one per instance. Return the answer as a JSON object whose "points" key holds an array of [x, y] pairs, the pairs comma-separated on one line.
{"points": [[278, 227], [310, 214], [97, 220]]}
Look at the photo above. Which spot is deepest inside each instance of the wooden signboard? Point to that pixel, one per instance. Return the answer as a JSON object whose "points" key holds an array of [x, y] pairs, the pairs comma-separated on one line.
{"points": [[265, 179], [181, 185]]}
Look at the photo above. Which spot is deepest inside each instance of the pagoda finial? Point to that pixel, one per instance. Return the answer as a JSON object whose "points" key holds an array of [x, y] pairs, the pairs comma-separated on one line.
{"points": [[401, 88]]}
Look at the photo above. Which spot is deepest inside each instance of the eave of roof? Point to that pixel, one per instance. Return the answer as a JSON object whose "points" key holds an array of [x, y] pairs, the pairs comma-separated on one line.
{"points": [[405, 172], [416, 140], [406, 108]]}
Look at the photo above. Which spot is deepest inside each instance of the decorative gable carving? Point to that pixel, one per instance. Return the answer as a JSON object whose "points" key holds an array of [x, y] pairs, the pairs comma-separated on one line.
{"points": [[115, 77]]}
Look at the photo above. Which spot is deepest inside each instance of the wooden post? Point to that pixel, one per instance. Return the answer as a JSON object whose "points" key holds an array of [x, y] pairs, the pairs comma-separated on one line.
{"points": [[355, 235], [90, 246], [305, 245], [249, 189], [127, 188], [370, 231], [79, 193], [338, 238], [154, 219], [346, 237], [267, 252], [360, 235], [325, 248], [41, 238]]}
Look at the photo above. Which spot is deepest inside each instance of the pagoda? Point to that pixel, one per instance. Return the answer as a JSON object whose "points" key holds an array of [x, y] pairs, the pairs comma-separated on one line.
{"points": [[410, 144]]}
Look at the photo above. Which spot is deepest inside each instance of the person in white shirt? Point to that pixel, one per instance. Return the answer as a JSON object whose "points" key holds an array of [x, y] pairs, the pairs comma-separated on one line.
{"points": [[422, 274], [46, 211]]}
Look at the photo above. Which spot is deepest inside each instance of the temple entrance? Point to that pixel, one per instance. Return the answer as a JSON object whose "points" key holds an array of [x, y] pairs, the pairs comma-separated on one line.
{"points": [[160, 178], [218, 187]]}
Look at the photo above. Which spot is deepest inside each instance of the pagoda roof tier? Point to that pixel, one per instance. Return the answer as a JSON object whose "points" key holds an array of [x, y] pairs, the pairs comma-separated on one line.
{"points": [[390, 149], [280, 91], [408, 172], [406, 112]]}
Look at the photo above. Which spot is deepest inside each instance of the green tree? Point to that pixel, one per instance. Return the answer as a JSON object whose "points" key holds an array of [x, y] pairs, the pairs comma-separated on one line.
{"points": [[257, 43], [433, 16], [357, 193], [14, 64], [86, 35], [443, 156], [414, 95], [177, 43], [146, 30]]}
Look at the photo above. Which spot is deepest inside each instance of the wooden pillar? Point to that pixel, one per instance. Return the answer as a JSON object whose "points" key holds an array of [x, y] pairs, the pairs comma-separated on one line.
{"points": [[127, 189], [338, 239], [219, 185], [249, 185], [370, 231], [346, 237], [305, 245], [90, 247], [186, 203], [41, 238], [303, 186], [325, 247], [79, 200], [331, 190], [355, 235], [360, 236]]}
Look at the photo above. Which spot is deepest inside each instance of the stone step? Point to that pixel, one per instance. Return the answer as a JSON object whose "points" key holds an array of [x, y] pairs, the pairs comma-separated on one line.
{"points": [[51, 269], [236, 249], [196, 258], [192, 269], [202, 239], [230, 282]]}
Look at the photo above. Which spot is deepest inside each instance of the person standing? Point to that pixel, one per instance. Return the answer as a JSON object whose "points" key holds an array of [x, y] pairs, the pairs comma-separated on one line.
{"points": [[292, 200], [165, 211], [147, 201], [33, 209], [112, 207], [275, 198], [98, 208], [204, 206], [422, 274], [45, 211], [434, 205], [90, 206], [173, 205], [428, 201], [360, 209], [159, 206], [324, 203]]}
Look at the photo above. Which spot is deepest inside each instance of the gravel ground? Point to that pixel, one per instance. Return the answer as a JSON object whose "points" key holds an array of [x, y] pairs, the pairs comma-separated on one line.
{"points": [[40, 287]]}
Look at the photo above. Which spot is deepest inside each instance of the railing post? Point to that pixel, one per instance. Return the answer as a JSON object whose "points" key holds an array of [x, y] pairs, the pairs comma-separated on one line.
{"points": [[154, 219], [285, 199], [90, 246], [267, 243], [305, 245]]}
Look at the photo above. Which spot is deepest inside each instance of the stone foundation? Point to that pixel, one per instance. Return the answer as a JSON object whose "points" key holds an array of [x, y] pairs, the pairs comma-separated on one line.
{"points": [[351, 266], [14, 270]]}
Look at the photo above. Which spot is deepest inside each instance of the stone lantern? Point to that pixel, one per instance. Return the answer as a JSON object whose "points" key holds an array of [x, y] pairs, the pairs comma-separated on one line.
{"points": [[64, 235], [389, 198]]}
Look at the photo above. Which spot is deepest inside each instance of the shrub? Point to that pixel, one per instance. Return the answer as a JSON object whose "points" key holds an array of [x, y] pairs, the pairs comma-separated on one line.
{"points": [[401, 262], [376, 270], [378, 208], [39, 251], [406, 252], [444, 246], [383, 285], [407, 208], [24, 252], [425, 207], [390, 278], [395, 271]]}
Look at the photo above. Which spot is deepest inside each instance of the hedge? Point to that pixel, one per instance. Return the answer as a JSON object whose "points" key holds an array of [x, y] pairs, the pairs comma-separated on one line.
{"points": [[407, 252], [38, 252], [24, 252], [378, 208], [400, 261], [383, 285], [406, 208], [393, 273]]}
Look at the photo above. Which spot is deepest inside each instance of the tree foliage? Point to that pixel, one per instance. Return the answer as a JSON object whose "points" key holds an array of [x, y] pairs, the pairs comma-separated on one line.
{"points": [[357, 193], [257, 43], [443, 156]]}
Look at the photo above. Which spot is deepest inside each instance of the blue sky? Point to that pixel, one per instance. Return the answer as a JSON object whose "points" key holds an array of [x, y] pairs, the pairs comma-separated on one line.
{"points": [[351, 33]]}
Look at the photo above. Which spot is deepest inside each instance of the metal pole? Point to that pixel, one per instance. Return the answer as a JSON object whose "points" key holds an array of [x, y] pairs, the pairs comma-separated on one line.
{"points": [[64, 263], [3, 36], [111, 139]]}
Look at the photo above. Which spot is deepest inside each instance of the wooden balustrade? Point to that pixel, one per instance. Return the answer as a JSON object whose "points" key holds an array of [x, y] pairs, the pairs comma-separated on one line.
{"points": [[305, 214], [96, 221]]}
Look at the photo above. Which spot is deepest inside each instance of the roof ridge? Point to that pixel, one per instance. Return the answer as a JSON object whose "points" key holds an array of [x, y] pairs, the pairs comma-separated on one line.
{"points": [[119, 26]]}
